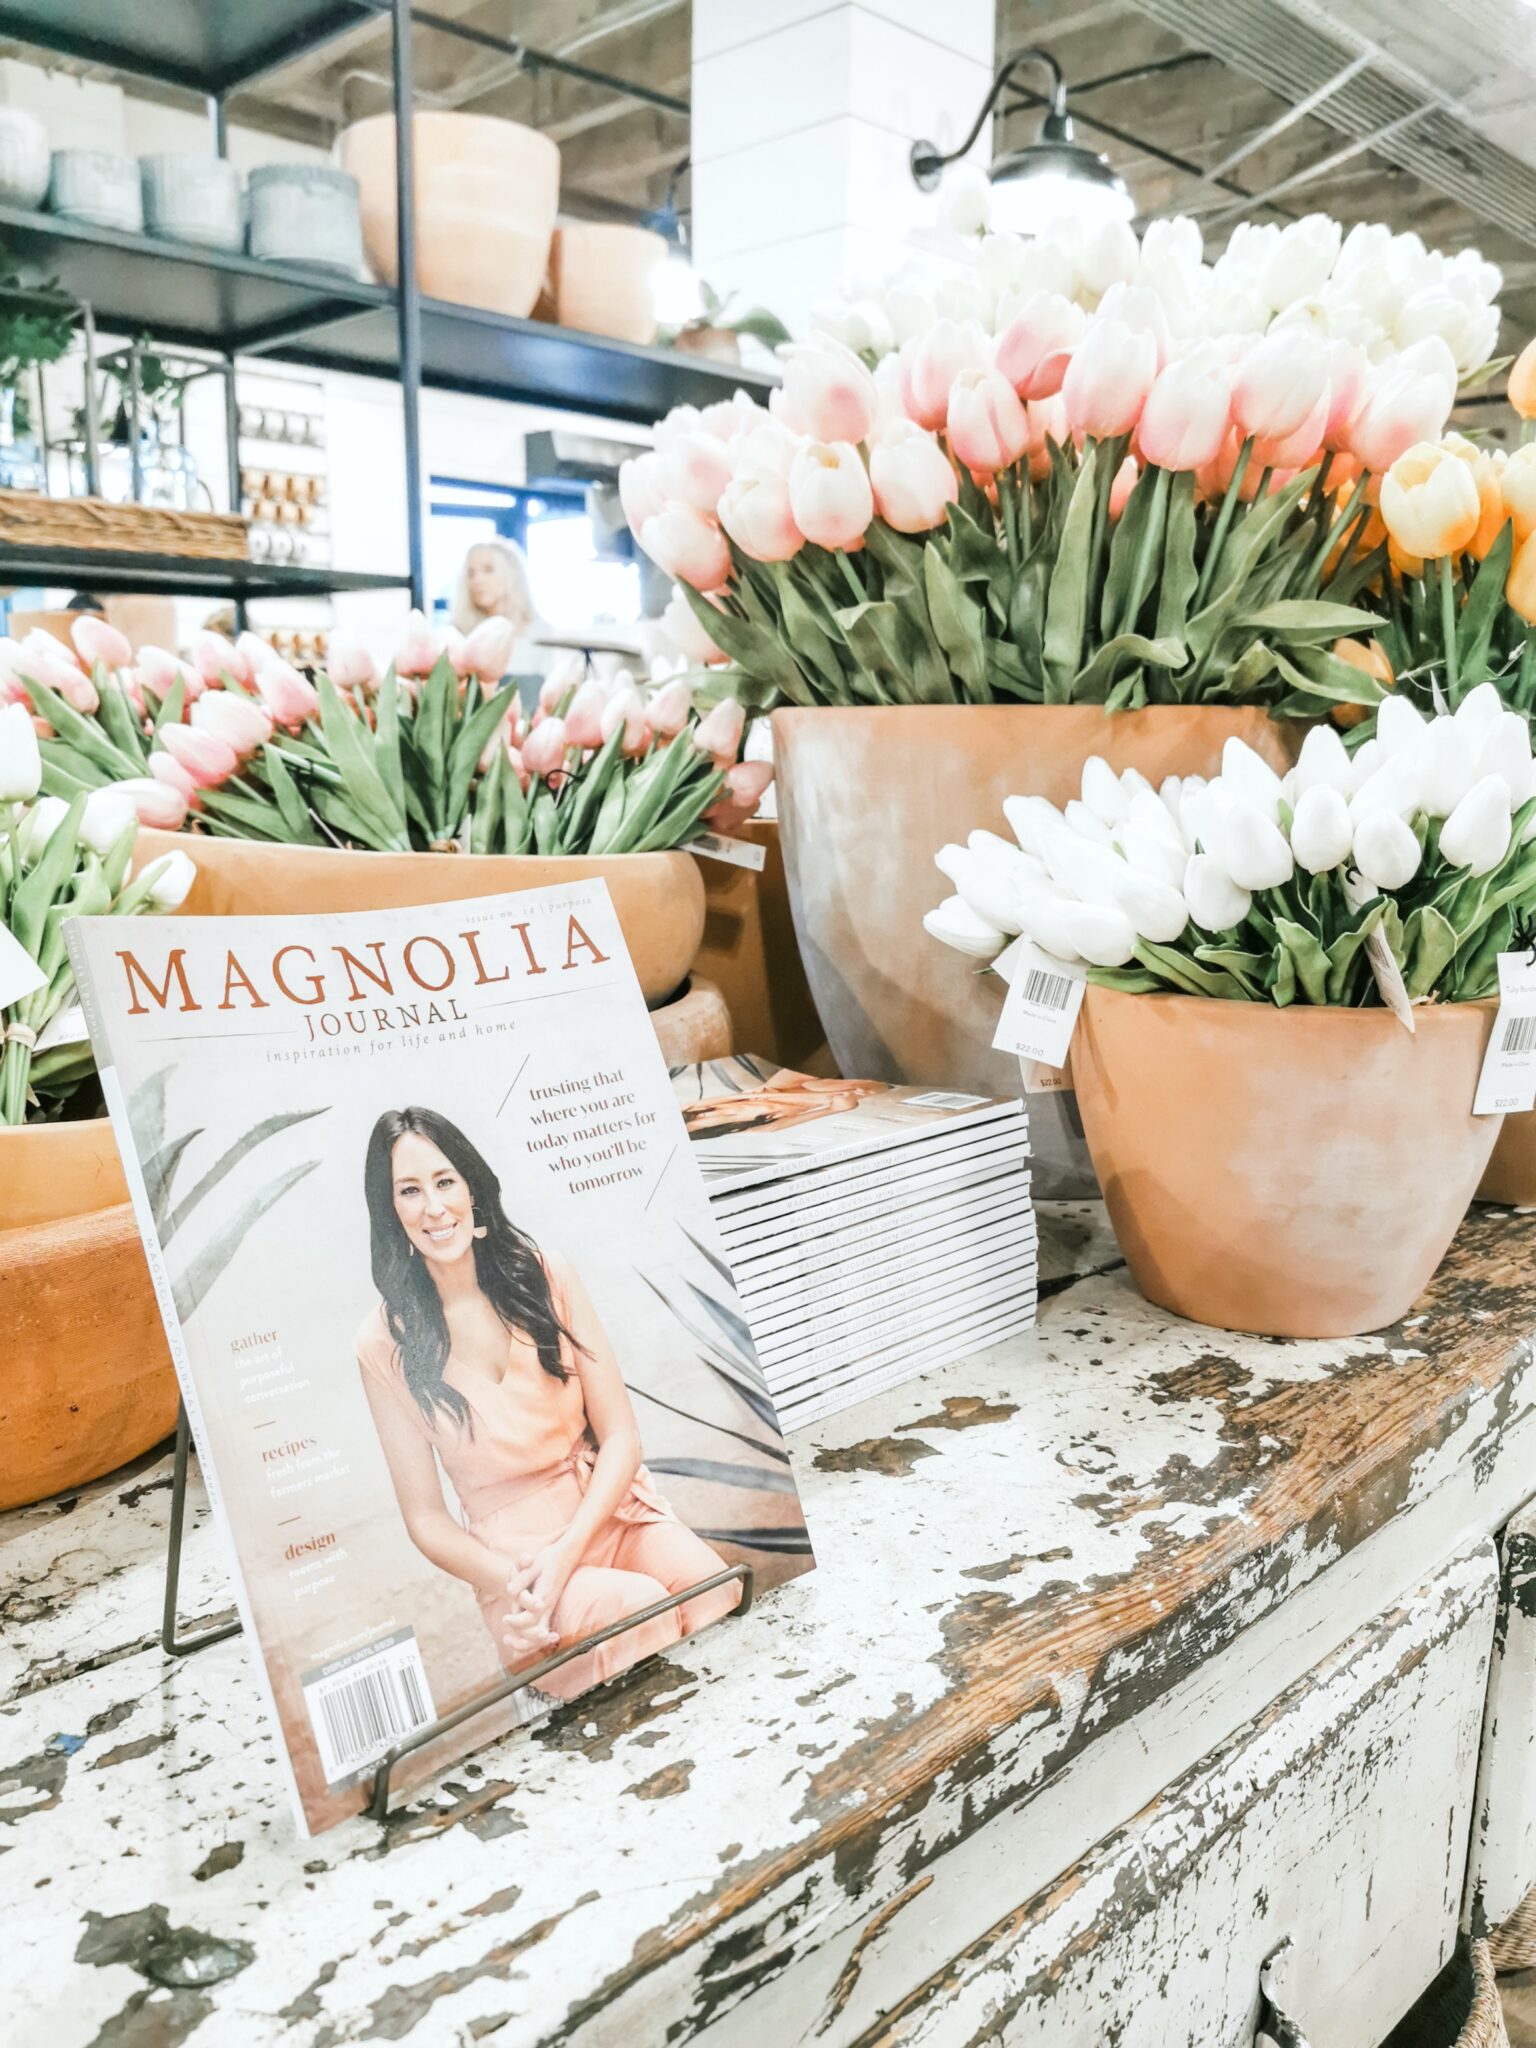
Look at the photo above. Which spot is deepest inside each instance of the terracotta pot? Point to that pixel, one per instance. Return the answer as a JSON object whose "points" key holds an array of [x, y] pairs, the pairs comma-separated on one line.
{"points": [[603, 278], [1511, 1175], [696, 1026], [88, 1382], [1294, 1173], [749, 950], [659, 897], [486, 194], [868, 795]]}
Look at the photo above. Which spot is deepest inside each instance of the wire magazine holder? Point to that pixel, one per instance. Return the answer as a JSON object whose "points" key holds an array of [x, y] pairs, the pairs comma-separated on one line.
{"points": [[177, 1645]]}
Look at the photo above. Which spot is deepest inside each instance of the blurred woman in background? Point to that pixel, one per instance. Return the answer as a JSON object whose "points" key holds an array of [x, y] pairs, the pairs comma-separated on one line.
{"points": [[493, 584]]}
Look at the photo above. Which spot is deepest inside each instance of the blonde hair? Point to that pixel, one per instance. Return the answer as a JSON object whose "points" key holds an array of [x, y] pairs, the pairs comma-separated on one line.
{"points": [[516, 599]]}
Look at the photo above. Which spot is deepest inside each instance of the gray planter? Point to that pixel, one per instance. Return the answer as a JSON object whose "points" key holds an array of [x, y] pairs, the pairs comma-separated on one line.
{"points": [[96, 186], [193, 199], [24, 159], [306, 213]]}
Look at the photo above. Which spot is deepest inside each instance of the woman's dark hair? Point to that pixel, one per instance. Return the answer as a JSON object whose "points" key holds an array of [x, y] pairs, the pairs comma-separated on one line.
{"points": [[507, 1264]]}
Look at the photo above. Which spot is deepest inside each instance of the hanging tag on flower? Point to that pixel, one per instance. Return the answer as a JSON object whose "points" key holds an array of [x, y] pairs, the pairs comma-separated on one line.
{"points": [[738, 853], [19, 972], [1039, 1079], [64, 1027], [1508, 1079], [1390, 985], [1044, 997]]}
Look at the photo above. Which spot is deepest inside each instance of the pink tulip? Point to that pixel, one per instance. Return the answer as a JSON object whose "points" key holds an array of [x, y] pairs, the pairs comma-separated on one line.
{"points": [[418, 650], [768, 449], [913, 480], [671, 708], [755, 512], [830, 495], [1123, 485], [640, 491], [348, 663], [1108, 378], [13, 691], [544, 749], [453, 648], [235, 720], [693, 469], [155, 803], [1277, 384], [167, 769], [290, 698], [1138, 306], [1295, 450], [718, 733], [47, 648], [1185, 418], [827, 393], [685, 632], [986, 425], [519, 768], [728, 417], [1397, 411], [745, 785], [488, 649], [49, 661], [1034, 349], [932, 360], [1349, 378], [584, 720], [161, 672], [626, 708], [255, 650], [687, 546], [95, 640], [1047, 423], [206, 758], [214, 658]]}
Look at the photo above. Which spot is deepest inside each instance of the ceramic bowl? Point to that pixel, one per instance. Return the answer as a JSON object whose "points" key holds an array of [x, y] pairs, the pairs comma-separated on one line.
{"points": [[96, 186], [24, 158], [306, 213], [193, 199]]}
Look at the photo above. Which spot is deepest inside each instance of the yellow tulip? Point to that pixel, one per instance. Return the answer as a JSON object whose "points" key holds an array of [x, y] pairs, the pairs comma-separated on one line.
{"points": [[1520, 589], [1429, 501], [1522, 382], [1518, 484], [1487, 472]]}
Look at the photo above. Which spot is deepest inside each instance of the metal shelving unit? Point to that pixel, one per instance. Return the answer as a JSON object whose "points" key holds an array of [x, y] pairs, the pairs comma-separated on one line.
{"points": [[105, 571], [238, 305]]}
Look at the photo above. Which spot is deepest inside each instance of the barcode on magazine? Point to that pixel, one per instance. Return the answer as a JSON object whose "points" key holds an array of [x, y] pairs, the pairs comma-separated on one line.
{"points": [[1519, 1035], [1050, 991], [944, 1098], [363, 1703]]}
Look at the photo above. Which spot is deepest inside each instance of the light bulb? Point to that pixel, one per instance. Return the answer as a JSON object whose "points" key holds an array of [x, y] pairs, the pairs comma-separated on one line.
{"points": [[1028, 202], [675, 291]]}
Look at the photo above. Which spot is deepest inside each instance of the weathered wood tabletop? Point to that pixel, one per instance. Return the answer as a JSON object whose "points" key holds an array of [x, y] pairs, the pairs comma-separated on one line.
{"points": [[1050, 1575]]}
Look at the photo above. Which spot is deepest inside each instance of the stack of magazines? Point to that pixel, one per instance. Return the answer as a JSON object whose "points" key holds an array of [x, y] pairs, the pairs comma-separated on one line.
{"points": [[872, 1231]]}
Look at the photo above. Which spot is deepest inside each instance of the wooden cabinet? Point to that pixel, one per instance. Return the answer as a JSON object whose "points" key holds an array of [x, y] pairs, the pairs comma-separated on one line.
{"points": [[1503, 1870], [1338, 1818]]}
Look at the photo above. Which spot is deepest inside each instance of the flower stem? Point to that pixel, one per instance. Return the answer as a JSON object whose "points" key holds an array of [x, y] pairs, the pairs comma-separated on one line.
{"points": [[1223, 523], [1448, 629], [1525, 687]]}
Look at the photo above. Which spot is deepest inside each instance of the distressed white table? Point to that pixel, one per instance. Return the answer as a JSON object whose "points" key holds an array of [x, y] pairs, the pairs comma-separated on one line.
{"points": [[1134, 1648]]}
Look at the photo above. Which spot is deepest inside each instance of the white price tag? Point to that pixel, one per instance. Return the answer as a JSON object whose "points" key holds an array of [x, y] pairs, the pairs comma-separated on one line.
{"points": [[1383, 961], [1040, 1079], [65, 1027], [1508, 1079], [738, 853], [19, 972], [1044, 997]]}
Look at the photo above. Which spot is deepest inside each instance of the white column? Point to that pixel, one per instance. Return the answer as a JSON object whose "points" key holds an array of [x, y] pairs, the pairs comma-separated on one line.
{"points": [[804, 114]]}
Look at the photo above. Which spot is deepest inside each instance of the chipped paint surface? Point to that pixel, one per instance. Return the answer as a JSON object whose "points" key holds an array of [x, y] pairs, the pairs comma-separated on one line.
{"points": [[1096, 1510], [1504, 1847]]}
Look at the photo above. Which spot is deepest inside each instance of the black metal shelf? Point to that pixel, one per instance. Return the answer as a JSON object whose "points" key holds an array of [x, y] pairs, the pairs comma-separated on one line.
{"points": [[208, 46], [104, 571]]}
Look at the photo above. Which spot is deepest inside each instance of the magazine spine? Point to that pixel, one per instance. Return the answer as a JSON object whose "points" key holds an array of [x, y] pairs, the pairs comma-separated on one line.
{"points": [[867, 1142]]}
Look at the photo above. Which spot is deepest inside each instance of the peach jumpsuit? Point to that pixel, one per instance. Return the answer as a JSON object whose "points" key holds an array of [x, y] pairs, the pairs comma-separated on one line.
{"points": [[520, 1476]]}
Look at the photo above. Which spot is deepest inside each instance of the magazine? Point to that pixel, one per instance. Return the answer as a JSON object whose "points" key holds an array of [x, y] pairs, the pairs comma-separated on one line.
{"points": [[466, 1371]]}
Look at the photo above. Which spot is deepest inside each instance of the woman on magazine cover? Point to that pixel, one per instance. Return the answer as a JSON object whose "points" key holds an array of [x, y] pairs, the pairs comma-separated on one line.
{"points": [[487, 1352]]}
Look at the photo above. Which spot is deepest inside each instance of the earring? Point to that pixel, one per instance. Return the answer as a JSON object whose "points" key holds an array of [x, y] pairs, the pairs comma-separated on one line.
{"points": [[410, 1249], [479, 1229]]}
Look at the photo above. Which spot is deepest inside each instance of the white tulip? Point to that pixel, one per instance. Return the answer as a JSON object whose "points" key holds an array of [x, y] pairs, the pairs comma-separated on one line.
{"points": [[1479, 708], [21, 765], [107, 815], [1105, 256], [1029, 818], [961, 299], [957, 925], [1177, 240], [1103, 936], [1215, 901], [908, 307], [1365, 761], [1446, 770], [170, 879], [1153, 851], [986, 892], [1386, 851], [1476, 834], [1298, 263], [1102, 792], [40, 823], [1324, 763], [1400, 726], [1249, 776], [1157, 909], [967, 200], [1148, 806], [1394, 786], [1087, 823], [1135, 784], [1254, 851], [1003, 854], [1321, 833], [1504, 749]]}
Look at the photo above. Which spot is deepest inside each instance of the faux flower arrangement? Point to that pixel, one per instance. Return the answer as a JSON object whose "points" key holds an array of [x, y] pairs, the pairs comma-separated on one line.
{"points": [[430, 754], [1130, 483], [58, 859], [1254, 887]]}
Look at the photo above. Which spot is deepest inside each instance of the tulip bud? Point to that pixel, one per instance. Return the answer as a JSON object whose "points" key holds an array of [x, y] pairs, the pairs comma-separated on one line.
{"points": [[1035, 347], [107, 816], [1429, 502], [1277, 385], [626, 708], [957, 925], [166, 768], [718, 733], [1103, 935], [21, 764], [348, 663], [1393, 786], [1387, 853], [694, 469], [170, 880], [986, 426], [155, 801], [1108, 379], [1249, 776], [1401, 727], [912, 479], [235, 720], [1321, 833], [418, 650], [1102, 791], [830, 494], [1254, 850], [1522, 382], [1398, 410], [640, 491], [685, 631], [206, 758], [755, 512], [671, 708], [1216, 903], [214, 658], [1476, 834], [826, 394], [38, 825], [1504, 749], [986, 888], [289, 698], [544, 749], [1188, 411], [95, 640], [745, 785], [1445, 767], [584, 719], [1324, 761], [932, 360], [687, 546], [487, 649]]}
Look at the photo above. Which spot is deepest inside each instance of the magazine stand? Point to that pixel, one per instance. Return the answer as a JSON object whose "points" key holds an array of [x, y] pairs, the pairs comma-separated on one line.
{"points": [[378, 1805]]}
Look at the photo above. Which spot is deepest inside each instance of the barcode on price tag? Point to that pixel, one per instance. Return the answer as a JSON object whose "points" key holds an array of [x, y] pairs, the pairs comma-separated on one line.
{"points": [[1507, 1082], [1044, 997], [738, 853], [361, 1704]]}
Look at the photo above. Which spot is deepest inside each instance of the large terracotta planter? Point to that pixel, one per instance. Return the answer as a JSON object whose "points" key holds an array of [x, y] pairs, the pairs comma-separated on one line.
{"points": [[603, 278], [486, 195], [750, 952], [659, 897], [867, 796], [1511, 1175], [1295, 1173], [87, 1381]]}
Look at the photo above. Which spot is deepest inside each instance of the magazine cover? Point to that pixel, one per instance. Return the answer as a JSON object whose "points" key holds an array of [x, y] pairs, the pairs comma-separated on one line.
{"points": [[751, 1120], [466, 1372]]}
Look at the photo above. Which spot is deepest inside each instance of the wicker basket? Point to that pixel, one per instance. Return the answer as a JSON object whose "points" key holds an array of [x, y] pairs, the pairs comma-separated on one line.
{"points": [[1460, 2009], [27, 519]]}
